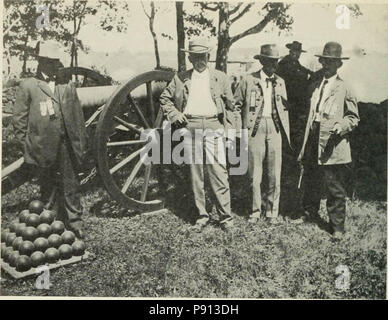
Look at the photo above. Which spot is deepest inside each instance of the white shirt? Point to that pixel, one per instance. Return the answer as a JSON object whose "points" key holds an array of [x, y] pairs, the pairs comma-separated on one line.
{"points": [[200, 102], [267, 93], [51, 84]]}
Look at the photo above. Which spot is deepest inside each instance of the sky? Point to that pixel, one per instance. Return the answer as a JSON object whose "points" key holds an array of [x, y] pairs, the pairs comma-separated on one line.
{"points": [[132, 52], [314, 25]]}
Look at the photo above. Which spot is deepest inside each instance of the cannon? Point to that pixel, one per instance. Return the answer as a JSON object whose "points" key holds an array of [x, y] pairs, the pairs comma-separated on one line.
{"points": [[117, 116]]}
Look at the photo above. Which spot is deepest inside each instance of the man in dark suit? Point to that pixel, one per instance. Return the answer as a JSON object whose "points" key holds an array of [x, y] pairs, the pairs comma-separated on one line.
{"points": [[262, 98], [50, 127], [197, 100], [296, 78], [326, 154]]}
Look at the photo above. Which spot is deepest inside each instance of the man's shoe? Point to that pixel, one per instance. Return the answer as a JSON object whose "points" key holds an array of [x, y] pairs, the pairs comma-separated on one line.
{"points": [[253, 220], [200, 224], [301, 220], [76, 227], [337, 236], [273, 221], [227, 224]]}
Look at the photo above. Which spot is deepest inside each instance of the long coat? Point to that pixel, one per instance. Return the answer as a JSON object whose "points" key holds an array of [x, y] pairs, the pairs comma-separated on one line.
{"points": [[173, 99], [41, 131], [339, 106], [249, 86]]}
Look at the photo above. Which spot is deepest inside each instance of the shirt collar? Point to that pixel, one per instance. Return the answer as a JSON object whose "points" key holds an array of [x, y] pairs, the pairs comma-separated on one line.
{"points": [[264, 76], [330, 80], [204, 73]]}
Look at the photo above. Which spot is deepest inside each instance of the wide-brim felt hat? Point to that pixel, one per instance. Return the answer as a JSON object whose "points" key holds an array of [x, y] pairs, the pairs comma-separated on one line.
{"points": [[268, 51], [332, 50], [199, 45], [296, 46], [48, 50]]}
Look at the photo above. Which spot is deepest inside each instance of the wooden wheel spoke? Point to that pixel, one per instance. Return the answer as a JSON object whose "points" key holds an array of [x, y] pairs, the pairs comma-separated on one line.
{"points": [[132, 176], [138, 111], [150, 100], [128, 125], [125, 161], [147, 177], [126, 143], [84, 82]]}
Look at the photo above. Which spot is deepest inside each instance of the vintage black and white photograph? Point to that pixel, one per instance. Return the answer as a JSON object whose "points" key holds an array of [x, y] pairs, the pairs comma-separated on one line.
{"points": [[123, 177]]}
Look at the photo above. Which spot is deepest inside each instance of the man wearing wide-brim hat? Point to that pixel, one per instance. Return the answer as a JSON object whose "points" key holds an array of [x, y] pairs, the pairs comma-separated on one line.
{"points": [[262, 98], [296, 78], [325, 153], [197, 100], [50, 126]]}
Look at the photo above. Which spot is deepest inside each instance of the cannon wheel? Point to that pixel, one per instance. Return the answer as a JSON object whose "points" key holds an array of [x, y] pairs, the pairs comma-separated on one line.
{"points": [[133, 107], [83, 77]]}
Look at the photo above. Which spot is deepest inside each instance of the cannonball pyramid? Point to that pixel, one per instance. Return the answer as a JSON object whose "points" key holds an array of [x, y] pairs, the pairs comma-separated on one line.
{"points": [[35, 239]]}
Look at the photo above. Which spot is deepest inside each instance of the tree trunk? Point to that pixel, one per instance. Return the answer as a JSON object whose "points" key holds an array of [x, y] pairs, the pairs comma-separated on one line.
{"points": [[180, 29], [25, 56], [223, 43], [154, 36]]}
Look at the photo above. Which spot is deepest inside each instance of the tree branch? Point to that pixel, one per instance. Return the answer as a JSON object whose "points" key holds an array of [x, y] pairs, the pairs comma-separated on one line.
{"points": [[145, 12], [235, 9], [255, 29], [12, 25], [244, 11], [208, 7]]}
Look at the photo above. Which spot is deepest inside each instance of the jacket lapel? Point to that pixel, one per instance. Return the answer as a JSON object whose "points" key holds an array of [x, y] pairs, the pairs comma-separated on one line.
{"points": [[46, 89], [328, 108]]}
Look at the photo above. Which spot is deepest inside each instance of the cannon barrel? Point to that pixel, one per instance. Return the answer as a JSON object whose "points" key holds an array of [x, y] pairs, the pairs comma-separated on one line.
{"points": [[95, 96], [98, 96]]}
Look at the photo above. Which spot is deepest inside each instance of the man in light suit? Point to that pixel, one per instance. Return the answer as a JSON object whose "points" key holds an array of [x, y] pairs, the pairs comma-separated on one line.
{"points": [[325, 152], [262, 98], [196, 100], [50, 127]]}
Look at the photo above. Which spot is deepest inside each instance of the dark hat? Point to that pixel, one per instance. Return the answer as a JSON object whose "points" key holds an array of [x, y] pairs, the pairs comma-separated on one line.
{"points": [[295, 45], [198, 45], [268, 51], [332, 50]]}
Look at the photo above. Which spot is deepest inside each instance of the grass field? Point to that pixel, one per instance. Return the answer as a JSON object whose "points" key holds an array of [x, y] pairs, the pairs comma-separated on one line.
{"points": [[157, 255]]}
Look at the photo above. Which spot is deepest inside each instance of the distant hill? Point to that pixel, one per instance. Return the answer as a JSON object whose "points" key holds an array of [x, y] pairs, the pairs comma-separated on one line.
{"points": [[366, 71]]}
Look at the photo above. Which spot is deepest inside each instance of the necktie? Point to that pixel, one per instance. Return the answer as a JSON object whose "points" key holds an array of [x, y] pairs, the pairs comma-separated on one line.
{"points": [[321, 95], [272, 80], [274, 113]]}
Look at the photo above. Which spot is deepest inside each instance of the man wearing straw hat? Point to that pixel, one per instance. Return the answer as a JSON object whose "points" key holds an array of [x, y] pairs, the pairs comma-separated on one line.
{"points": [[325, 152], [296, 78], [50, 126], [196, 100], [262, 98]]}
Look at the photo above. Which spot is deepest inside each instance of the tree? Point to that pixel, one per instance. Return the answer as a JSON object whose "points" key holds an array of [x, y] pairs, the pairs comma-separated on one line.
{"points": [[20, 29], [228, 14], [151, 19], [180, 30]]}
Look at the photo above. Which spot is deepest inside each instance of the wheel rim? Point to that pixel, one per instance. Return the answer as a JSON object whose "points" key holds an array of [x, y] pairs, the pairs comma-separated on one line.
{"points": [[133, 107]]}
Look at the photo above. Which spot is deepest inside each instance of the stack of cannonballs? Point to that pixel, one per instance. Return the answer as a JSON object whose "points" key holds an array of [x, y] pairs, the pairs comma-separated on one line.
{"points": [[36, 239]]}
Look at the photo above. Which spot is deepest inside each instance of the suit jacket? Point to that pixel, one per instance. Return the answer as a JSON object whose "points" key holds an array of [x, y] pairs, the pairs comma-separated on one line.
{"points": [[339, 106], [296, 78], [174, 97], [250, 85], [41, 133]]}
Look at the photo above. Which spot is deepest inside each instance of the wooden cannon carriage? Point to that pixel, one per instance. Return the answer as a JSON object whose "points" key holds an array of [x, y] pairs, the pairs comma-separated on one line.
{"points": [[117, 116]]}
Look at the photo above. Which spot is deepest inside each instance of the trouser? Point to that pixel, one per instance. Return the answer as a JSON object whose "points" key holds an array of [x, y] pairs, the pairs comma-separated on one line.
{"points": [[316, 177], [206, 147], [60, 185], [265, 152]]}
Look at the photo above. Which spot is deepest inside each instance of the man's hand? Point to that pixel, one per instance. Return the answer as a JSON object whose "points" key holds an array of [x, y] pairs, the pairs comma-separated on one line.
{"points": [[337, 129], [181, 118]]}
